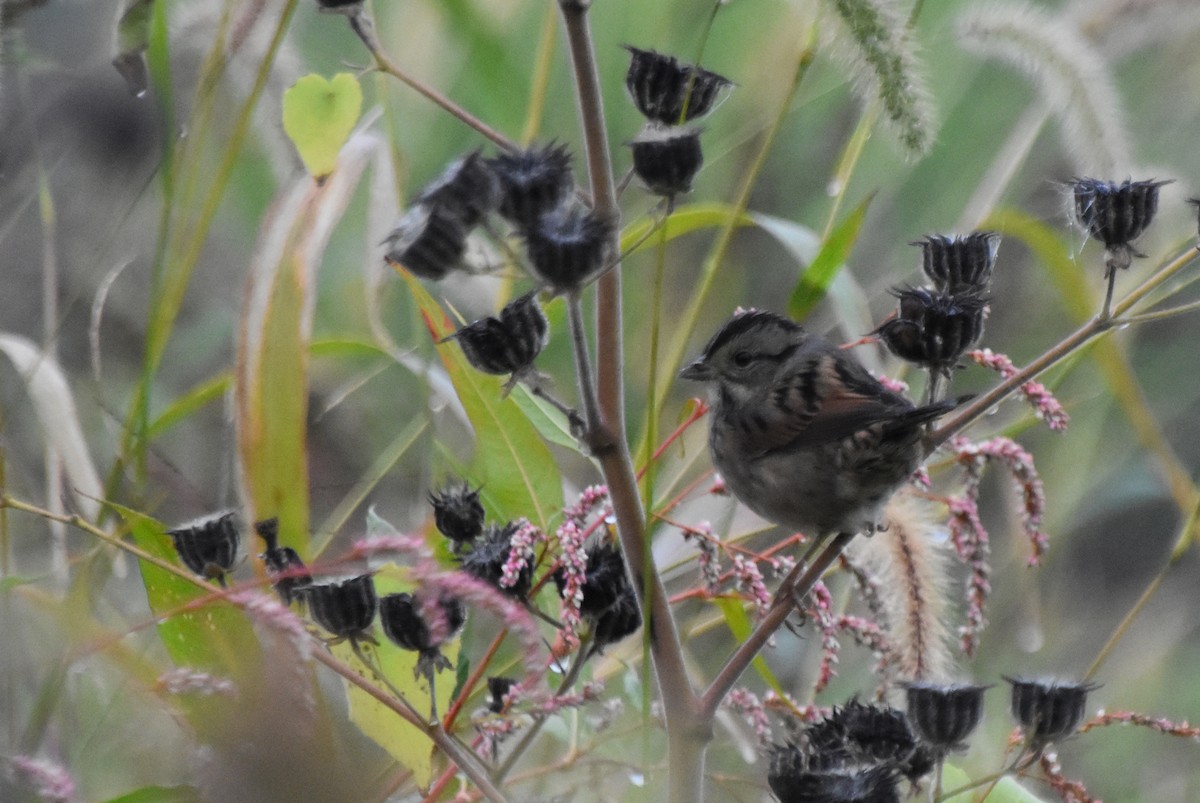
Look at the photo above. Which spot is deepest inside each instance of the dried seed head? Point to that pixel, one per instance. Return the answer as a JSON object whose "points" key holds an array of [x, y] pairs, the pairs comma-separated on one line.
{"points": [[944, 714], [458, 514], [667, 159], [428, 241], [793, 781], [605, 579], [857, 733], [345, 609], [569, 248], [209, 546], [668, 92], [1116, 214], [532, 183], [932, 329], [507, 343], [466, 190], [1048, 710], [958, 265], [282, 561], [400, 616], [617, 621], [497, 688], [486, 561]]}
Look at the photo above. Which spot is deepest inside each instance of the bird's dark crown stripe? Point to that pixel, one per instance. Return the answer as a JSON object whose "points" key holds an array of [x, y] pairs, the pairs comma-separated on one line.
{"points": [[745, 322]]}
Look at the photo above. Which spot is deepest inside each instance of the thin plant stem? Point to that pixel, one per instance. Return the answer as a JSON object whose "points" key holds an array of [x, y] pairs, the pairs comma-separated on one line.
{"points": [[1056, 353], [1183, 543], [459, 753], [798, 583], [609, 332], [651, 436], [364, 28], [583, 366], [542, 68], [687, 732], [531, 733], [1158, 315], [169, 298]]}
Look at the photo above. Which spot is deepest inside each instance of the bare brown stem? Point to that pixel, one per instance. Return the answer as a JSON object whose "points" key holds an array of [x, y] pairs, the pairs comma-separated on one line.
{"points": [[688, 732], [364, 28]]}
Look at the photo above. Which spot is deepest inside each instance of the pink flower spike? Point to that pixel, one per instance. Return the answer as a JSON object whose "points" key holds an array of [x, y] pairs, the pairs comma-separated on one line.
{"points": [[1045, 406], [190, 681], [50, 780], [748, 705], [520, 553], [271, 613]]}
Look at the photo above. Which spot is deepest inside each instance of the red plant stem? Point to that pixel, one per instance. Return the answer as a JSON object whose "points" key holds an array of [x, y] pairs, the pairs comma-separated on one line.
{"points": [[469, 686], [700, 411]]}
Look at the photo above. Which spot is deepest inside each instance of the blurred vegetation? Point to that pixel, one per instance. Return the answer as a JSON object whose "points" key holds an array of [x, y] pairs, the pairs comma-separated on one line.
{"points": [[109, 203]]}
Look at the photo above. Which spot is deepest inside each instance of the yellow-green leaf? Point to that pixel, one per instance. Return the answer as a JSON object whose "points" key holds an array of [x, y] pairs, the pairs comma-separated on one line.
{"points": [[512, 463], [318, 116], [817, 277], [685, 219], [401, 739], [739, 624]]}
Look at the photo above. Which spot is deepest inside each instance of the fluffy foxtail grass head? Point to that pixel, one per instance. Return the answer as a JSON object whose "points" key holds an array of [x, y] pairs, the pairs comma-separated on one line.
{"points": [[878, 48], [1070, 74], [911, 572]]}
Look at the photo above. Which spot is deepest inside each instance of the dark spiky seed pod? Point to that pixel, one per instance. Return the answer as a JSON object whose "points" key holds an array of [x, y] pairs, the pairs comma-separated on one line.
{"points": [[669, 92], [486, 561], [428, 241], [532, 183], [402, 622], [667, 159], [864, 733], [1116, 214], [944, 715], [1048, 710], [605, 579], [617, 621], [958, 265], [933, 329], [498, 687], [793, 782], [282, 560], [458, 514], [345, 609], [209, 546], [569, 248], [466, 190], [507, 343]]}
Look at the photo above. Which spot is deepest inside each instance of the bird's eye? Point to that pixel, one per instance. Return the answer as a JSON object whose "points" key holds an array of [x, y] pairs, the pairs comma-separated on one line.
{"points": [[742, 358]]}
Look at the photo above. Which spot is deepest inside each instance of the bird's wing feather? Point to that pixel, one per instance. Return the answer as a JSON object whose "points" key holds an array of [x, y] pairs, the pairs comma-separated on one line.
{"points": [[825, 400]]}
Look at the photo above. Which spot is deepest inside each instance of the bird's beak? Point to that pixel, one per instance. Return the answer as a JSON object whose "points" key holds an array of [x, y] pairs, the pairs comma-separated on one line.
{"points": [[698, 371]]}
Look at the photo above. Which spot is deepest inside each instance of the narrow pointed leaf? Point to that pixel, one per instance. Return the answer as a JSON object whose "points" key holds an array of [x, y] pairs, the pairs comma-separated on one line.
{"points": [[815, 280]]}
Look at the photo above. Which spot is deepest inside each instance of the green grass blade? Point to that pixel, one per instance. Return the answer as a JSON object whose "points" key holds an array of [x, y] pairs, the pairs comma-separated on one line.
{"points": [[815, 280]]}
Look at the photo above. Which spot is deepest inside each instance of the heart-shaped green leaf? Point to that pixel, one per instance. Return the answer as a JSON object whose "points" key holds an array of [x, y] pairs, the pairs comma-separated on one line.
{"points": [[318, 116]]}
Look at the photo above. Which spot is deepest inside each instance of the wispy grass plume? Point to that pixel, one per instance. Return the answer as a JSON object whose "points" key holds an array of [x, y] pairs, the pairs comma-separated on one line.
{"points": [[1071, 76], [882, 57], [910, 573]]}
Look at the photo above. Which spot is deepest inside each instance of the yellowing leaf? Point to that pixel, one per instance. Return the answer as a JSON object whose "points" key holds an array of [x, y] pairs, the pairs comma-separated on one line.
{"points": [[318, 116], [511, 462], [401, 739]]}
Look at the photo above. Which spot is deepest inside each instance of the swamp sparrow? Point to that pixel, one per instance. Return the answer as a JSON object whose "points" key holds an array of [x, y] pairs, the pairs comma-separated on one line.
{"points": [[802, 434]]}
